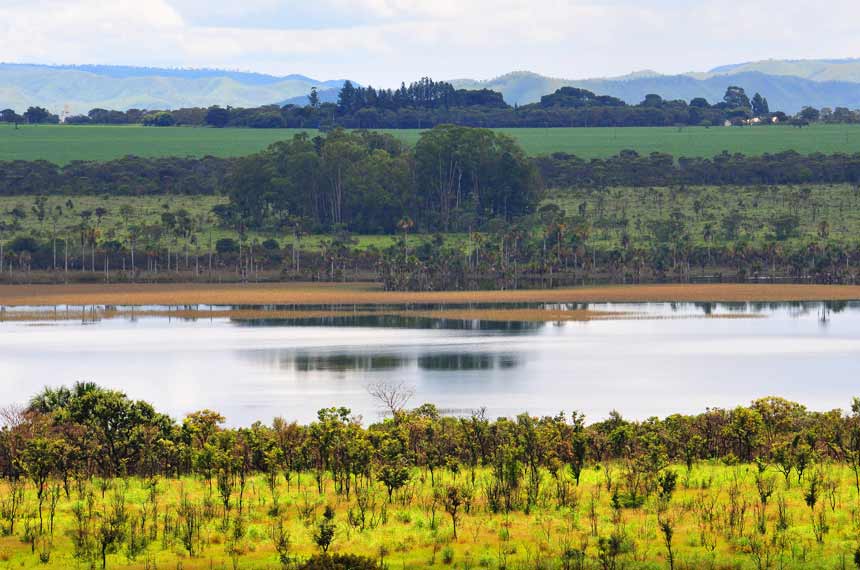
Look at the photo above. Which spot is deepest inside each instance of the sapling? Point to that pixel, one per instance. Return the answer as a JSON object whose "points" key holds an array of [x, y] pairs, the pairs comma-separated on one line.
{"points": [[667, 529], [453, 500], [324, 534]]}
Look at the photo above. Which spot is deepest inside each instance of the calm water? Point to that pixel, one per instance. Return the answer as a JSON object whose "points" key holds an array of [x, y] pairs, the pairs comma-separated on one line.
{"points": [[257, 370]]}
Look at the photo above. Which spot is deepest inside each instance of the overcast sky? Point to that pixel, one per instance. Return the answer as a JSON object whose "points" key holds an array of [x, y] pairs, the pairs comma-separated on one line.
{"points": [[385, 41]]}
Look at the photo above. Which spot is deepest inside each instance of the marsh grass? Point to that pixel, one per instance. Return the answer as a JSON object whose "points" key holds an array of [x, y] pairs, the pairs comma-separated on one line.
{"points": [[345, 295]]}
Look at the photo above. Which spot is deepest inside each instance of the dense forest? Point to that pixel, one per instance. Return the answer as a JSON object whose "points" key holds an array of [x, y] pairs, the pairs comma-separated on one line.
{"points": [[428, 103], [89, 476]]}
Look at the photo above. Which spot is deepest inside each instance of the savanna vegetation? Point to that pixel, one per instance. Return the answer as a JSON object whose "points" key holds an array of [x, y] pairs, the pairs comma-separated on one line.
{"points": [[91, 478], [464, 208]]}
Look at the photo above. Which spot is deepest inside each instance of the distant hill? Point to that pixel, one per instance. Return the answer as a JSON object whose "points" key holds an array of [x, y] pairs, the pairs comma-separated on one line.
{"points": [[85, 87], [814, 69], [784, 92]]}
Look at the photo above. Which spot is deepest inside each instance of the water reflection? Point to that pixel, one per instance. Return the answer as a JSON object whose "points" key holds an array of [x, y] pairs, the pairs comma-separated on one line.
{"points": [[466, 361], [344, 362], [259, 368], [394, 321], [321, 361]]}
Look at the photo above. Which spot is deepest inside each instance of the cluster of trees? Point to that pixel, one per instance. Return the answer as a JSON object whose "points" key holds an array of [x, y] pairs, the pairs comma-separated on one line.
{"points": [[629, 168], [87, 441], [32, 116], [828, 115], [455, 178], [426, 94]]}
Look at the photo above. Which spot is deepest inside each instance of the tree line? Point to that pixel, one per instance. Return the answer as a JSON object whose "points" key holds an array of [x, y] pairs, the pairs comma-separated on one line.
{"points": [[426, 103], [629, 168], [138, 176], [89, 431]]}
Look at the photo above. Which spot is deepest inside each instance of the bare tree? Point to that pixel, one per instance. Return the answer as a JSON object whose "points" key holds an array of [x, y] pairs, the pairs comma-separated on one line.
{"points": [[393, 395], [11, 416]]}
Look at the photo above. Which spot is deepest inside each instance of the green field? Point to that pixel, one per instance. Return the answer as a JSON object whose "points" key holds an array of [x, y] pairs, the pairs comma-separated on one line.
{"points": [[62, 144]]}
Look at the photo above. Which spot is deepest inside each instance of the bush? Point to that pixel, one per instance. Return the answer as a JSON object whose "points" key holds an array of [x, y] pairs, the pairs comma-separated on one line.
{"points": [[447, 555], [226, 245], [340, 562], [271, 244]]}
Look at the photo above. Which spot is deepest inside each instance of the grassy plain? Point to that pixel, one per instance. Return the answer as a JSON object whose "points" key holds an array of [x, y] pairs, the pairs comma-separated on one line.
{"points": [[714, 512], [371, 294], [64, 143]]}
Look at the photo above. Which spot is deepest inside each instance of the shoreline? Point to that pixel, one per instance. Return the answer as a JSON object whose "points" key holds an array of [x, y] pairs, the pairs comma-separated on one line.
{"points": [[370, 294]]}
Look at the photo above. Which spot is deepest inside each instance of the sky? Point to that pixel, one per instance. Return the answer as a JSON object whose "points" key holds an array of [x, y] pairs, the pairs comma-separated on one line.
{"points": [[383, 42]]}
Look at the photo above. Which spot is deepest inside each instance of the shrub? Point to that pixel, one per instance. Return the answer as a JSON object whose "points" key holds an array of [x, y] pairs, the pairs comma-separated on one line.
{"points": [[339, 562], [447, 555]]}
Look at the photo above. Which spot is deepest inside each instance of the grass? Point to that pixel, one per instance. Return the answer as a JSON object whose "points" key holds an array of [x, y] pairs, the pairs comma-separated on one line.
{"points": [[410, 533], [372, 294], [64, 143]]}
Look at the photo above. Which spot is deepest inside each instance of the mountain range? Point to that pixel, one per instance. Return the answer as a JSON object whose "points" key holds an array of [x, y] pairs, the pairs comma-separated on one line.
{"points": [[786, 93], [84, 87], [788, 84]]}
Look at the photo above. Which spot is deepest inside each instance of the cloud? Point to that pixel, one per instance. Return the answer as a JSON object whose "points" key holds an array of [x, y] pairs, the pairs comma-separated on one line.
{"points": [[386, 41]]}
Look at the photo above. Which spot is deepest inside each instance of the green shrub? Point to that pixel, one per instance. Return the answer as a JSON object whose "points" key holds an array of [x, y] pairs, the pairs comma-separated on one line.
{"points": [[339, 562]]}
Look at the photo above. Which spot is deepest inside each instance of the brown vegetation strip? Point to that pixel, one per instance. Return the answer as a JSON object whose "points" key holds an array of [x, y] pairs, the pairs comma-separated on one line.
{"points": [[336, 293], [88, 314], [501, 315]]}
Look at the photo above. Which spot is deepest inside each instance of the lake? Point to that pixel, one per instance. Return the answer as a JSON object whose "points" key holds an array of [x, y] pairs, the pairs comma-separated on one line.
{"points": [[670, 358]]}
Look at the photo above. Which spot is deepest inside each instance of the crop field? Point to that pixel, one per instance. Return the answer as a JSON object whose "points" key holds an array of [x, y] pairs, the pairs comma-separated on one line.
{"points": [[716, 513], [62, 144]]}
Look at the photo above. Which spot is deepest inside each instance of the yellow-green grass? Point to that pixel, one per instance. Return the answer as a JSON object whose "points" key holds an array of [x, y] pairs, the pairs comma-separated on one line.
{"points": [[64, 143], [407, 536]]}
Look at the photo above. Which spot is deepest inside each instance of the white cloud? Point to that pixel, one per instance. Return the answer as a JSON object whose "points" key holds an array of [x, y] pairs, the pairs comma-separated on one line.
{"points": [[384, 41]]}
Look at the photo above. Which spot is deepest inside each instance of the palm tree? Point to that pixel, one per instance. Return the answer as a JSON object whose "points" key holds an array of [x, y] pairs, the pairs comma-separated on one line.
{"points": [[405, 224], [708, 236]]}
